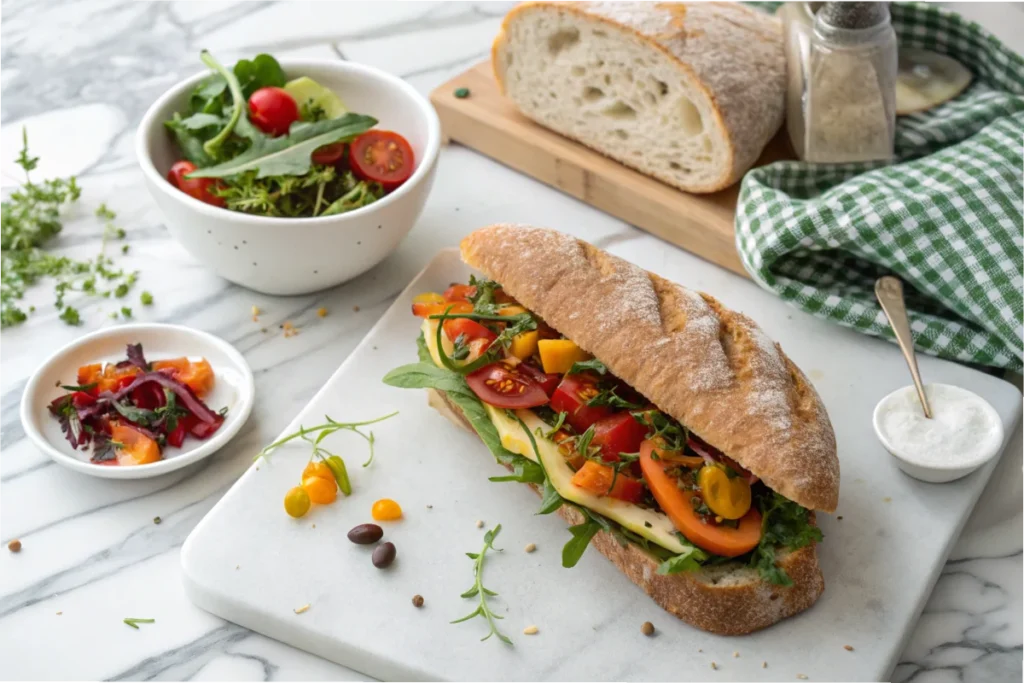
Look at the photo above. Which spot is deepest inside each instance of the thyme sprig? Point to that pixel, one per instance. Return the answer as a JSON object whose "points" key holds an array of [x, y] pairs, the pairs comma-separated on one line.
{"points": [[479, 590], [325, 430]]}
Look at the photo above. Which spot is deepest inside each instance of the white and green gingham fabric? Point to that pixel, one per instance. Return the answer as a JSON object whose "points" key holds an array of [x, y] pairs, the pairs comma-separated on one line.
{"points": [[947, 217]]}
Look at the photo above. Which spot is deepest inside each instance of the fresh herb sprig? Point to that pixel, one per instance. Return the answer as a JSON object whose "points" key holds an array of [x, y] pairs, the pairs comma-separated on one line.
{"points": [[783, 523], [324, 430], [134, 622], [31, 219], [478, 590]]}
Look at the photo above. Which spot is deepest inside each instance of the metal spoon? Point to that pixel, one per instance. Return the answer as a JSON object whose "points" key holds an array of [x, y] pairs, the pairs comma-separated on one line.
{"points": [[889, 291]]}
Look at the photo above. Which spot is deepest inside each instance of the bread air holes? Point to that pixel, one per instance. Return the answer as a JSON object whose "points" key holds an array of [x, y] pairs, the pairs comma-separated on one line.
{"points": [[677, 167], [562, 40], [598, 33], [620, 110], [662, 87], [689, 118], [592, 94], [649, 99], [622, 135], [578, 71]]}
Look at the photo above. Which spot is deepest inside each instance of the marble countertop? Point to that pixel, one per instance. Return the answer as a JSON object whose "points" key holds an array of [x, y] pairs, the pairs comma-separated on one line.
{"points": [[79, 76]]}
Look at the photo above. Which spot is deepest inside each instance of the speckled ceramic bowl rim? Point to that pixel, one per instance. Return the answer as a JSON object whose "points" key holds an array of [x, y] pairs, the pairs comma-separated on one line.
{"points": [[959, 467], [238, 415], [151, 125]]}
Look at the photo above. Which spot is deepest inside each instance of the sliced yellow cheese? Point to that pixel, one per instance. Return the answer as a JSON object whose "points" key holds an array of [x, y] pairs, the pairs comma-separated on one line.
{"points": [[650, 524]]}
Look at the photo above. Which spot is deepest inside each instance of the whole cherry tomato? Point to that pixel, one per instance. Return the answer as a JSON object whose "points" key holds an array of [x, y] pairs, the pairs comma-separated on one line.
{"points": [[197, 188], [273, 110]]}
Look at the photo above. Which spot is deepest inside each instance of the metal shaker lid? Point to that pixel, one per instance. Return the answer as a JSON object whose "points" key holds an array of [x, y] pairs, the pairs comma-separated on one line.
{"points": [[854, 15]]}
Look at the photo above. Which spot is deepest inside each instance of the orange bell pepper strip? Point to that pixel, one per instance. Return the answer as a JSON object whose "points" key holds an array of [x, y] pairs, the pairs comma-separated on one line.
{"points": [[133, 447], [597, 479], [89, 374], [720, 540], [197, 375]]}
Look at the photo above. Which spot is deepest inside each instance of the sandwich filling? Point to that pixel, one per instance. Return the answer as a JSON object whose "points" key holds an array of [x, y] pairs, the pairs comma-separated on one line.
{"points": [[562, 421]]}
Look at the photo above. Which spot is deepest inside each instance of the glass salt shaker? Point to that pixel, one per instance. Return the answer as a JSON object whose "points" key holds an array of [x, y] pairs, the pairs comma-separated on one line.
{"points": [[850, 96]]}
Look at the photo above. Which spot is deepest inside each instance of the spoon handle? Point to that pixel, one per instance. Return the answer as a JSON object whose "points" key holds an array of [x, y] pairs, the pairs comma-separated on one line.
{"points": [[889, 291]]}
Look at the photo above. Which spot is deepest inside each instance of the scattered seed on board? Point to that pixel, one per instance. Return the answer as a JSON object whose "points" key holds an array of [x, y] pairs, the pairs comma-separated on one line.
{"points": [[14, 546], [417, 601], [355, 309], [764, 665], [802, 677], [462, 93], [479, 524], [59, 613], [700, 649], [383, 555], [714, 666], [839, 517], [887, 499], [848, 648], [430, 507], [157, 520], [530, 547], [322, 312], [530, 631], [647, 628], [255, 311], [736, 654], [300, 610]]}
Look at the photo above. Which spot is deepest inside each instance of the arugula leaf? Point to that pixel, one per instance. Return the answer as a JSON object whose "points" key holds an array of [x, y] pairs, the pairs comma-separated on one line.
{"points": [[139, 416], [260, 72], [361, 195], [190, 144], [423, 350], [426, 375], [239, 120], [288, 154], [582, 366], [783, 523], [581, 535], [551, 500], [687, 561]]}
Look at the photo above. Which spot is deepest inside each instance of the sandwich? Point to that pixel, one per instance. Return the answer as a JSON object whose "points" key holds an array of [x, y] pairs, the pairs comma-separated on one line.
{"points": [[670, 432]]}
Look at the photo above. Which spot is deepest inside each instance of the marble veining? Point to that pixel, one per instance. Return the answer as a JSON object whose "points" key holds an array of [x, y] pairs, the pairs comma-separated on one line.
{"points": [[78, 77]]}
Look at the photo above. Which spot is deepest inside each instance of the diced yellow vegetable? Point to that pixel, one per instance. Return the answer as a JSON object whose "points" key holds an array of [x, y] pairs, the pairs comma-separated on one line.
{"points": [[558, 355], [524, 344], [511, 310]]}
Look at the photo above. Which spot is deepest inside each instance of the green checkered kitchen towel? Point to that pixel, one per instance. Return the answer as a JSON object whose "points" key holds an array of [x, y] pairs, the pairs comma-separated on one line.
{"points": [[947, 217]]}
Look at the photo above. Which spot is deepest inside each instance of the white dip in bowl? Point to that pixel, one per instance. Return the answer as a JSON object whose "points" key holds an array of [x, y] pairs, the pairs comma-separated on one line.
{"points": [[963, 434]]}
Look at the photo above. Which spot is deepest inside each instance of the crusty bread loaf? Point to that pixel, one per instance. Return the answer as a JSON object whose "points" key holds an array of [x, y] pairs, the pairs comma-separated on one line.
{"points": [[728, 599], [689, 93], [712, 369]]}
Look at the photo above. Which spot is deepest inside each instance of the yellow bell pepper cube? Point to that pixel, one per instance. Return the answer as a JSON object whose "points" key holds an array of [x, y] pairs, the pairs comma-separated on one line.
{"points": [[559, 355], [511, 309], [524, 344]]}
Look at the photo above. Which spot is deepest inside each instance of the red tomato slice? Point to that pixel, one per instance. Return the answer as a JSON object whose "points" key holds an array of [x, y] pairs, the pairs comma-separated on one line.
{"points": [[82, 399], [381, 156], [547, 380], [676, 503], [470, 330], [501, 385], [619, 433], [197, 188], [459, 292], [571, 397], [273, 110], [597, 479], [328, 155]]}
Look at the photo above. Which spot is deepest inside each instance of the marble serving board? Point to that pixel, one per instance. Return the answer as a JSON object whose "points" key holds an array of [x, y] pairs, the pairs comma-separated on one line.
{"points": [[248, 562]]}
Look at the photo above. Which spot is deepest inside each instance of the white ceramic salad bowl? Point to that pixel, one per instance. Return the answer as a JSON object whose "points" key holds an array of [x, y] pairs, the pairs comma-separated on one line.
{"points": [[287, 256]]}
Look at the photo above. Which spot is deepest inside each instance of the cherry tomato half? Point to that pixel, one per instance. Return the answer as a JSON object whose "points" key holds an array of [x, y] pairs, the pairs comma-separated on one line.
{"points": [[548, 381], [197, 188], [382, 156], [273, 110], [459, 292], [501, 385], [469, 329], [328, 155], [619, 433], [571, 397]]}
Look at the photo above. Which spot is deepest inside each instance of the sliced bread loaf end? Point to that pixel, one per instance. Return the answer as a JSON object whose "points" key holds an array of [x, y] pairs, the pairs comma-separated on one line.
{"points": [[688, 94]]}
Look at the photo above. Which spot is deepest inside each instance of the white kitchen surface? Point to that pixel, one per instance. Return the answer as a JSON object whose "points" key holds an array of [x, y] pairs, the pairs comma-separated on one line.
{"points": [[362, 617], [79, 76]]}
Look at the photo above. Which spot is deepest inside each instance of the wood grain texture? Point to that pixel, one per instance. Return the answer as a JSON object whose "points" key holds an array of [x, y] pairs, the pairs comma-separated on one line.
{"points": [[490, 124]]}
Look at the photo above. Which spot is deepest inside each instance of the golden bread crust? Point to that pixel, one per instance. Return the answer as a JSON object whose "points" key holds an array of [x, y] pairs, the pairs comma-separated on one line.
{"points": [[729, 599], [711, 368]]}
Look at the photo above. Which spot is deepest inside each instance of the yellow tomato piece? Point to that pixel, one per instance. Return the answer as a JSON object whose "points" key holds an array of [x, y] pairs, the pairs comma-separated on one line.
{"points": [[386, 510], [297, 502], [428, 298], [524, 344], [317, 468], [559, 355], [728, 498], [322, 491], [513, 309]]}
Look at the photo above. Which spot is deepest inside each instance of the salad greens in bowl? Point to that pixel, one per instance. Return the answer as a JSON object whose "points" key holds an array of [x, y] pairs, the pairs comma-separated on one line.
{"points": [[289, 177]]}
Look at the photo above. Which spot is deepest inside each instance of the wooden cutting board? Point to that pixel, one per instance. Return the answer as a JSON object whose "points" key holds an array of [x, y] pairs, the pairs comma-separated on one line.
{"points": [[489, 123]]}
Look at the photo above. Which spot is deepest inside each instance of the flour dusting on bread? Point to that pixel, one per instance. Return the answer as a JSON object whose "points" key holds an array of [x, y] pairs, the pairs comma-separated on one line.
{"points": [[711, 368]]}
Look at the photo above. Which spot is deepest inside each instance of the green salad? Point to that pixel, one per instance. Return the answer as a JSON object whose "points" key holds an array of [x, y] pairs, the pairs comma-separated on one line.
{"points": [[251, 140]]}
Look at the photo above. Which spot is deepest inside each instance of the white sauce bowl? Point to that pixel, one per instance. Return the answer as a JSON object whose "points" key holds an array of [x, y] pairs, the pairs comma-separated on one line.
{"points": [[933, 470], [298, 255]]}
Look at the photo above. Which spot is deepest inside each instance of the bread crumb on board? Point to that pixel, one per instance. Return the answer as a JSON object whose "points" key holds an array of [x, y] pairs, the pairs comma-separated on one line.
{"points": [[848, 648], [530, 547], [530, 631], [647, 628], [479, 524], [802, 677], [714, 666], [14, 546], [304, 608]]}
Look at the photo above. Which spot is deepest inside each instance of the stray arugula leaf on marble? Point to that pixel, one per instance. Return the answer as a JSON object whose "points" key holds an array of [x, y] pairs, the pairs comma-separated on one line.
{"points": [[134, 622], [31, 219], [478, 590]]}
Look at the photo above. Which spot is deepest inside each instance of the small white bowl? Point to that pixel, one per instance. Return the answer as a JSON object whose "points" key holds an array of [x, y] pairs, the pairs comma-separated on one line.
{"points": [[936, 473], [233, 388], [288, 256]]}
